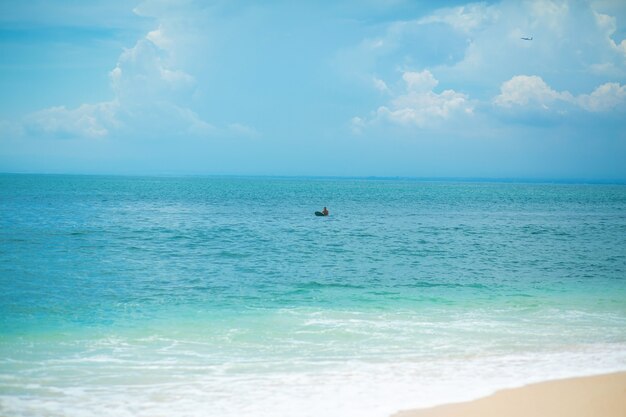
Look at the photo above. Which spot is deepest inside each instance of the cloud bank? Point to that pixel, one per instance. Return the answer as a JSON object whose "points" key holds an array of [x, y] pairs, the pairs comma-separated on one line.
{"points": [[523, 91], [498, 71], [152, 94]]}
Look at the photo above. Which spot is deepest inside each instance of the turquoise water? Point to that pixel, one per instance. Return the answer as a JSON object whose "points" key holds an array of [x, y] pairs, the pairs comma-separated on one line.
{"points": [[130, 296]]}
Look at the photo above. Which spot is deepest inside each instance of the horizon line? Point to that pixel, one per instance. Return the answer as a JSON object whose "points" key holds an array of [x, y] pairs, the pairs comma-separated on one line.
{"points": [[486, 179]]}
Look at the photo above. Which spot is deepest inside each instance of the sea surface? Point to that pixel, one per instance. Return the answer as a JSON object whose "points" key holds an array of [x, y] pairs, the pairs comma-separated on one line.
{"points": [[226, 296]]}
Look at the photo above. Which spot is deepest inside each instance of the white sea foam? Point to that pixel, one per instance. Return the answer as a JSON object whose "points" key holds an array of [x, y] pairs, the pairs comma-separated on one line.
{"points": [[353, 387]]}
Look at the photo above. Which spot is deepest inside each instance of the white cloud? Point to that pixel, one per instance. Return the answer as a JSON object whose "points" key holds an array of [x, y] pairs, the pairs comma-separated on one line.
{"points": [[142, 74], [604, 98], [88, 120], [523, 91], [608, 25], [418, 105], [420, 81], [159, 38], [176, 78]]}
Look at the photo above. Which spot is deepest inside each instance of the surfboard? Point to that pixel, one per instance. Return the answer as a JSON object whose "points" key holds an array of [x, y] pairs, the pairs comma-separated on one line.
{"points": [[319, 213]]}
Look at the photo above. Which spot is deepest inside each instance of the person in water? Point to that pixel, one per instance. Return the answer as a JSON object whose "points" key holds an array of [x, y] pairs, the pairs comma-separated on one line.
{"points": [[325, 211]]}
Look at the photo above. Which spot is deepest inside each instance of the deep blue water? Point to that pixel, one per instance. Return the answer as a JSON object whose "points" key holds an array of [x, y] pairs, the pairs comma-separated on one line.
{"points": [[157, 293]]}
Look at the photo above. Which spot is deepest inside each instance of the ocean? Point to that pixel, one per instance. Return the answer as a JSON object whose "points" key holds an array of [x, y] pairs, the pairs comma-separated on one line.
{"points": [[226, 296]]}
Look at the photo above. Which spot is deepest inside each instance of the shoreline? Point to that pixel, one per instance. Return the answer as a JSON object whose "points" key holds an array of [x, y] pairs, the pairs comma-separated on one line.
{"points": [[600, 395]]}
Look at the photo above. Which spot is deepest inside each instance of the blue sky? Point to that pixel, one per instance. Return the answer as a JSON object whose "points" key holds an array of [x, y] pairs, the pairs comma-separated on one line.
{"points": [[356, 88]]}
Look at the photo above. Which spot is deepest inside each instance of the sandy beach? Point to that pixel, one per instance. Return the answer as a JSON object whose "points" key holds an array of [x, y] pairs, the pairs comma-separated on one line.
{"points": [[595, 396]]}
